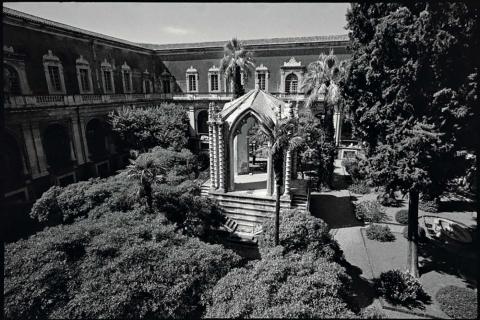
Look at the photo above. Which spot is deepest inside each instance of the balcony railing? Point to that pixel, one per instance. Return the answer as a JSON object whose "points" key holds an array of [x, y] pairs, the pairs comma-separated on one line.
{"points": [[227, 96], [83, 99]]}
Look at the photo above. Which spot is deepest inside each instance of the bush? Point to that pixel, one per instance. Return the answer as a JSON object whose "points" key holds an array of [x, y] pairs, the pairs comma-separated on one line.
{"points": [[399, 287], [402, 216], [300, 286], [457, 302], [352, 166], [359, 188], [121, 265], [370, 211], [429, 205], [380, 233], [144, 128], [421, 233], [387, 199], [300, 232], [373, 312]]}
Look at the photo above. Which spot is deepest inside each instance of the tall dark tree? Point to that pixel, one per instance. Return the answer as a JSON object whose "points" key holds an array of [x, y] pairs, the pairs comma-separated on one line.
{"points": [[408, 90], [235, 62]]}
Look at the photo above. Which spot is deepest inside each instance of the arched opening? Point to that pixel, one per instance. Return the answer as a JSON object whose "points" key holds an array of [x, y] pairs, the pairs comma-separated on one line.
{"points": [[249, 155], [11, 85], [97, 133], [12, 162], [57, 146], [291, 83], [202, 125], [347, 131]]}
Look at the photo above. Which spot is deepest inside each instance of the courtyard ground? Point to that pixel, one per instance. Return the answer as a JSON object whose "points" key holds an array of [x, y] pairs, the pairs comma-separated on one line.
{"points": [[366, 259]]}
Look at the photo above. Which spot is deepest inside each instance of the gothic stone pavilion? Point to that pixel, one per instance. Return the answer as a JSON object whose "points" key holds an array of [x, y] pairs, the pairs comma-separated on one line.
{"points": [[248, 199]]}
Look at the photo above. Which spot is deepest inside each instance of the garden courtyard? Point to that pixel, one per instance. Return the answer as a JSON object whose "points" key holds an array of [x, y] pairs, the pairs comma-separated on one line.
{"points": [[439, 267]]}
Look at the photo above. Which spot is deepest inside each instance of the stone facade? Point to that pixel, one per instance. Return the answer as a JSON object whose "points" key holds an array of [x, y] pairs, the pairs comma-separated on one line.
{"points": [[60, 82]]}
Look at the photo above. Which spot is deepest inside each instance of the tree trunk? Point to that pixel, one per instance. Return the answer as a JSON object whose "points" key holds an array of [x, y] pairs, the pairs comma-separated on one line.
{"points": [[412, 257], [277, 214], [237, 83]]}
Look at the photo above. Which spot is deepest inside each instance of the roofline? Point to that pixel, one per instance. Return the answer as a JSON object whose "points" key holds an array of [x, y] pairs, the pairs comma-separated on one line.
{"points": [[342, 39], [15, 14]]}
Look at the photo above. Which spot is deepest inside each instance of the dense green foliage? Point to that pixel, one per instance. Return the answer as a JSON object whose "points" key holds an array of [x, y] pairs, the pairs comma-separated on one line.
{"points": [[121, 265], [399, 287], [457, 302], [411, 88], [300, 286], [301, 277], [140, 129], [317, 152], [236, 61], [359, 188], [429, 205], [373, 312], [401, 216], [380, 233], [370, 211], [300, 232], [65, 204], [173, 190]]}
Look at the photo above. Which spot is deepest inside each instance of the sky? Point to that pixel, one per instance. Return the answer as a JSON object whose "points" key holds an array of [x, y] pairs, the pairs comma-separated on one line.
{"points": [[161, 23]]}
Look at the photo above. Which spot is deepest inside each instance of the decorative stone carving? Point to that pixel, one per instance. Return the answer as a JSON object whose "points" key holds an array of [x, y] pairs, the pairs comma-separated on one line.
{"points": [[292, 63]]}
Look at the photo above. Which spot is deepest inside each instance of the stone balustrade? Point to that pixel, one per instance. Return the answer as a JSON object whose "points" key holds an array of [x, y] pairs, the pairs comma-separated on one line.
{"points": [[75, 100]]}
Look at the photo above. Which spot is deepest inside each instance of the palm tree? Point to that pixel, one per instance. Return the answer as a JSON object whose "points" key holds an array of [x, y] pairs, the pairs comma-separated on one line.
{"points": [[147, 173], [235, 62], [285, 139], [322, 81]]}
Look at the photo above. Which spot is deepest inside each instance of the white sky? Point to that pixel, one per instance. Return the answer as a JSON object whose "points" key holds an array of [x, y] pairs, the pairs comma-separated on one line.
{"points": [[194, 22]]}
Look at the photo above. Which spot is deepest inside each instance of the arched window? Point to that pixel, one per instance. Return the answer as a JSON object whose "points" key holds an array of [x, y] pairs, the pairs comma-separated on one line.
{"points": [[291, 83], [11, 157], [96, 139], [202, 125], [57, 146], [11, 80]]}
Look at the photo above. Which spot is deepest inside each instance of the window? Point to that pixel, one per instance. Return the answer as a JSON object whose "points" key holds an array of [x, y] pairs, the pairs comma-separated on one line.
{"points": [[107, 80], [214, 82], [192, 82], [126, 81], [192, 79], [84, 80], [291, 83], [84, 76], [107, 77], [261, 78], [53, 73], [126, 78], [261, 81], [12, 81], [166, 86]]}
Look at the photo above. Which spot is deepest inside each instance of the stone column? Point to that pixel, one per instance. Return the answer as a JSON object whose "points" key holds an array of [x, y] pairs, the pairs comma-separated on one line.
{"points": [[210, 154], [221, 158], [33, 140], [288, 172], [215, 156], [337, 124]]}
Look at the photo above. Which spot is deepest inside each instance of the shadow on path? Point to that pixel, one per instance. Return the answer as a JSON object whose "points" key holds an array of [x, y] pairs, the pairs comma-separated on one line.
{"points": [[336, 211]]}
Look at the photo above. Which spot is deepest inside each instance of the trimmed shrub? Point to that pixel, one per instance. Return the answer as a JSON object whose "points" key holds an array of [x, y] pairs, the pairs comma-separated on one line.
{"points": [[300, 286], [370, 211], [401, 216], [121, 265], [300, 232], [421, 233], [359, 188], [457, 302], [399, 287], [353, 168], [373, 312], [380, 233]]}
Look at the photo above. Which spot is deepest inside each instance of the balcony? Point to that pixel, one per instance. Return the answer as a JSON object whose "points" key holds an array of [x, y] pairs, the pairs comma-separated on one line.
{"points": [[227, 96], [26, 101]]}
